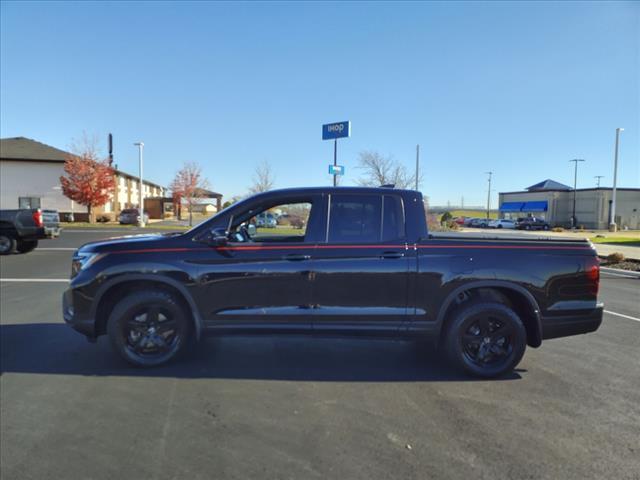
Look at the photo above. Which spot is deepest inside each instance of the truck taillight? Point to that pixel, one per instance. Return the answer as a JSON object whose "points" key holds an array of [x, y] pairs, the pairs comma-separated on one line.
{"points": [[593, 275], [37, 217]]}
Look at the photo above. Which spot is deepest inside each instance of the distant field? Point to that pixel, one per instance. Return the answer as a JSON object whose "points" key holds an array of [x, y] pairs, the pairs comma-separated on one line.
{"points": [[473, 213]]}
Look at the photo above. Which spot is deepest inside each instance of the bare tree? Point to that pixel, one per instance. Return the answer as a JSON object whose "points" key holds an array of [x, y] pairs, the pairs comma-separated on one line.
{"points": [[380, 170], [188, 186], [263, 178]]}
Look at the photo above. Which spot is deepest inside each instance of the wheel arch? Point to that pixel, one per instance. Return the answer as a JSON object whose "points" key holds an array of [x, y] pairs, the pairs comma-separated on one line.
{"points": [[519, 298], [112, 290]]}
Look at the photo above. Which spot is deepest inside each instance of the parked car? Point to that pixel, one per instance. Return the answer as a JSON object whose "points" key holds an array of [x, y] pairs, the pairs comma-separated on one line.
{"points": [[21, 229], [459, 220], [366, 264], [266, 220], [532, 223], [502, 223], [467, 221], [131, 216], [479, 223]]}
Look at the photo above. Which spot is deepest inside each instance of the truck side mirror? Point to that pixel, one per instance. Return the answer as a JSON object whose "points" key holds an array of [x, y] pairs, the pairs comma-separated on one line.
{"points": [[218, 237]]}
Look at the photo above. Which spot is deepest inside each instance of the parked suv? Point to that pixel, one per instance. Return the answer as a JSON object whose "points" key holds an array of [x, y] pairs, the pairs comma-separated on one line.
{"points": [[131, 216], [532, 223]]}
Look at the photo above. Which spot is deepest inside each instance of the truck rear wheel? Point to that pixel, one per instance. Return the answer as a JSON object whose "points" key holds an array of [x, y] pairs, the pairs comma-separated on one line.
{"points": [[25, 246], [7, 243], [148, 328], [486, 339]]}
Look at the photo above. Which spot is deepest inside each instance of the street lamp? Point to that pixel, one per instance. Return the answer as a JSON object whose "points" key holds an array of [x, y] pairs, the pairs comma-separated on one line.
{"points": [[140, 146], [612, 226], [575, 182], [598, 177], [489, 194]]}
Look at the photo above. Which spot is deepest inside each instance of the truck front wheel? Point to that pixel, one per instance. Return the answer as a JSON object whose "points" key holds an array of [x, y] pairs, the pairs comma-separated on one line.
{"points": [[25, 246], [486, 339], [148, 328]]}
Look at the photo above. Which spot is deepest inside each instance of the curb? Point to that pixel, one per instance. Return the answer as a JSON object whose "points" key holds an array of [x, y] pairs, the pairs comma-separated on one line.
{"points": [[619, 271]]}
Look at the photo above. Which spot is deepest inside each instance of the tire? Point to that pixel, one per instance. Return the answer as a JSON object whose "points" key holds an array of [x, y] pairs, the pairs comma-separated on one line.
{"points": [[486, 339], [546, 227], [500, 226], [25, 246], [528, 227], [7, 243], [149, 328]]}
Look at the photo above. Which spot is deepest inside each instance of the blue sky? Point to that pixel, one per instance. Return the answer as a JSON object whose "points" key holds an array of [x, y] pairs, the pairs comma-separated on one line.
{"points": [[517, 88]]}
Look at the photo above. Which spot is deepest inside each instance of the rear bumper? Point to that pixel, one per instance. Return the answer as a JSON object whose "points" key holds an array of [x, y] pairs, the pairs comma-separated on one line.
{"points": [[575, 324], [74, 318], [51, 232]]}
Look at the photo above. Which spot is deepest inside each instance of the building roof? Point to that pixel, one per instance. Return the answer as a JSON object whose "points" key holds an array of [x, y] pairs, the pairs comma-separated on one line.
{"points": [[22, 148], [26, 149], [203, 193], [548, 184]]}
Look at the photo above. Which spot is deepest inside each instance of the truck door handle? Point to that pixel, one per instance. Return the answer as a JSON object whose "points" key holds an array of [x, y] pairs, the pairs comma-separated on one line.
{"points": [[392, 255], [294, 257]]}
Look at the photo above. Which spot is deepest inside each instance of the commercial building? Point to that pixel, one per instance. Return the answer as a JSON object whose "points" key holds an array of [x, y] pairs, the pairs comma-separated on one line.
{"points": [[30, 174], [553, 201]]}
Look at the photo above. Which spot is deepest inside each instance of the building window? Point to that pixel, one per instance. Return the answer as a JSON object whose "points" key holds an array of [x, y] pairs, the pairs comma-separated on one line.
{"points": [[29, 202]]}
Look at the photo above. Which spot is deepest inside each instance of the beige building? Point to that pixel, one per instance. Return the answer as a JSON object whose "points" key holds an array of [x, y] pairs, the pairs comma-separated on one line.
{"points": [[553, 201], [30, 174]]}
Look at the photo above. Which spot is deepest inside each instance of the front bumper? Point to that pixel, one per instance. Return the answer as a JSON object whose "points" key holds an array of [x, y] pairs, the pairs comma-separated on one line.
{"points": [[75, 318], [574, 324]]}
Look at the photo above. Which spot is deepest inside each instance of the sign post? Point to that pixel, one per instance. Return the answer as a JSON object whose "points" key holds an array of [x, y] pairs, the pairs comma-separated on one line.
{"points": [[334, 131]]}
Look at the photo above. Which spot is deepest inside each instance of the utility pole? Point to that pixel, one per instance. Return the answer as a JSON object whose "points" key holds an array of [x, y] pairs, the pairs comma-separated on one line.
{"points": [[140, 146], [598, 177], [613, 226], [575, 182], [417, 164], [462, 202], [489, 194]]}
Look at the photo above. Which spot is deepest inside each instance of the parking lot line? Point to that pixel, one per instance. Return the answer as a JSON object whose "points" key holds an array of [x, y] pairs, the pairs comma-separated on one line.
{"points": [[33, 280], [57, 248], [622, 315]]}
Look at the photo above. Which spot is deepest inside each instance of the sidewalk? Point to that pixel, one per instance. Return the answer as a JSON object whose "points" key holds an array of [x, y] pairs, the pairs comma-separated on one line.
{"points": [[632, 253]]}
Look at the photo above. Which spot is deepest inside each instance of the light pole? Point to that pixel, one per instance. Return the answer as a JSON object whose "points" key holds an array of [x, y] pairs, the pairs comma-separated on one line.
{"points": [[613, 226], [417, 165], [575, 182], [598, 177], [140, 146], [489, 194]]}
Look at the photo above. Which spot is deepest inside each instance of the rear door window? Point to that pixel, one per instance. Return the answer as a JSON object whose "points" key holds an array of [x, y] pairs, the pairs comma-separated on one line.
{"points": [[365, 219]]}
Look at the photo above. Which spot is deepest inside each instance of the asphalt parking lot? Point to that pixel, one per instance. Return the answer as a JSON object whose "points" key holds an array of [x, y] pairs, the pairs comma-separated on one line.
{"points": [[297, 407]]}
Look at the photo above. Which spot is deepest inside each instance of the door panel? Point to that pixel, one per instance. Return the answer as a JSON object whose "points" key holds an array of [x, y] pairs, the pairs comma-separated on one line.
{"points": [[259, 283], [361, 273], [264, 280]]}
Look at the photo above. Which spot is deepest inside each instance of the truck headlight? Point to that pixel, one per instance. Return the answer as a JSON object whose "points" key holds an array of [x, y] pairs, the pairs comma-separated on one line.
{"points": [[83, 260]]}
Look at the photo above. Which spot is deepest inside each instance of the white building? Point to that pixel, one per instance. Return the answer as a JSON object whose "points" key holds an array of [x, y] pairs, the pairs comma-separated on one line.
{"points": [[554, 201], [30, 174]]}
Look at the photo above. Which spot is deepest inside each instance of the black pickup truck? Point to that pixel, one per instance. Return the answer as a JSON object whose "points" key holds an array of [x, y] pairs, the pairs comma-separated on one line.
{"points": [[21, 229], [363, 264]]}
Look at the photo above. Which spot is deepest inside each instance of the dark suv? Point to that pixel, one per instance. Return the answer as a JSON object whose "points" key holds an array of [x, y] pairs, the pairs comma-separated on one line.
{"points": [[531, 223]]}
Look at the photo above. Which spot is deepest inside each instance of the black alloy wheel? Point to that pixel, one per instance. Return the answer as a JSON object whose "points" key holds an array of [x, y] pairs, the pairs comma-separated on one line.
{"points": [[148, 328], [486, 339], [7, 243]]}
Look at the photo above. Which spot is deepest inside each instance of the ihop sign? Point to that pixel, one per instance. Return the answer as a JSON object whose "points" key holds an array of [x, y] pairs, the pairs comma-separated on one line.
{"points": [[331, 131]]}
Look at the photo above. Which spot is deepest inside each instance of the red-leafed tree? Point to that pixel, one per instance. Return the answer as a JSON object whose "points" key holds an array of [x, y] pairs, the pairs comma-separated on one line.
{"points": [[89, 180], [188, 186]]}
